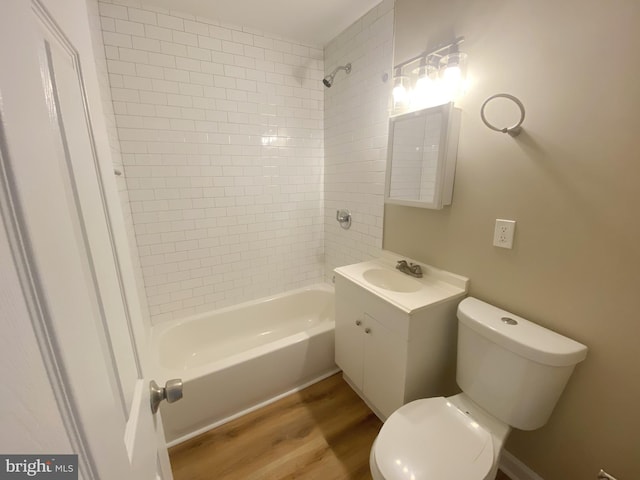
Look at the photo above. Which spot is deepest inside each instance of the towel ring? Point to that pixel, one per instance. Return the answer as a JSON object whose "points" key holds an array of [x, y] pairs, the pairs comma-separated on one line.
{"points": [[515, 130]]}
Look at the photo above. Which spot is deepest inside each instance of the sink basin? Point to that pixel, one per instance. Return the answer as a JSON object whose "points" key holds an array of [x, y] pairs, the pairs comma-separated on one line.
{"points": [[391, 280], [409, 294]]}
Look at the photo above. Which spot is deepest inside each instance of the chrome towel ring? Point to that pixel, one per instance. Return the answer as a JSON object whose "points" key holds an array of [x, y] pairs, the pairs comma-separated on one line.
{"points": [[515, 130]]}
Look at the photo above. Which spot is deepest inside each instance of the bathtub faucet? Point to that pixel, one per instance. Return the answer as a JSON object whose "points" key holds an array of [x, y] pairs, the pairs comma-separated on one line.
{"points": [[409, 268]]}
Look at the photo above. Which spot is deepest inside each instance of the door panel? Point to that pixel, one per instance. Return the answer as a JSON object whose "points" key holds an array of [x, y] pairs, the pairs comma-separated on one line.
{"points": [[384, 375], [62, 81], [63, 244], [349, 335]]}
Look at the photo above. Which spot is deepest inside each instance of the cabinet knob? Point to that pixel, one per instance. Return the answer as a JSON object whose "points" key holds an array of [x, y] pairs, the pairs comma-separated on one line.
{"points": [[367, 330], [358, 322]]}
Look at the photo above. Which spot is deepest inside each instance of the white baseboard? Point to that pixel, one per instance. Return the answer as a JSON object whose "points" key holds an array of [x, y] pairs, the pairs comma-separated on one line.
{"points": [[515, 469]]}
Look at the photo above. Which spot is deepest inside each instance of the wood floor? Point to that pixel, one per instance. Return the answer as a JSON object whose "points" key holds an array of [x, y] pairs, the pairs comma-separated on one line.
{"points": [[324, 432]]}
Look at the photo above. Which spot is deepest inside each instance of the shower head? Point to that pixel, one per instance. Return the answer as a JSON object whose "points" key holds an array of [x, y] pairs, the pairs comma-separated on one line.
{"points": [[328, 80]]}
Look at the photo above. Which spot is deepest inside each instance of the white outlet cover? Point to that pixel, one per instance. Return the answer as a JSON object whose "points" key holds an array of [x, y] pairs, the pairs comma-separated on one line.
{"points": [[503, 233]]}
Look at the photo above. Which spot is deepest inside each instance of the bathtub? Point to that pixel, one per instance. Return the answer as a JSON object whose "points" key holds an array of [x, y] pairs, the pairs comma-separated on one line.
{"points": [[237, 359]]}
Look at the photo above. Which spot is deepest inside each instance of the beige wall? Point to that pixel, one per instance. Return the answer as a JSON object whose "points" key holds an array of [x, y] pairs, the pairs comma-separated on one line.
{"points": [[572, 183]]}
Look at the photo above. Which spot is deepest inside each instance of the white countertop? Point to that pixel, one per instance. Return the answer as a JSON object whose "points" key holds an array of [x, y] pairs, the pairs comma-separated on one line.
{"points": [[434, 287]]}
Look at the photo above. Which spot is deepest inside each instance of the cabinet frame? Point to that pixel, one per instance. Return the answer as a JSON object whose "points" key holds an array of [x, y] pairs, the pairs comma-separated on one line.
{"points": [[405, 356]]}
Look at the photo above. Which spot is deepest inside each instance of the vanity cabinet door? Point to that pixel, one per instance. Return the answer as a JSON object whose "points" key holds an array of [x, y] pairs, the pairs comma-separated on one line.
{"points": [[371, 346], [349, 332], [384, 367]]}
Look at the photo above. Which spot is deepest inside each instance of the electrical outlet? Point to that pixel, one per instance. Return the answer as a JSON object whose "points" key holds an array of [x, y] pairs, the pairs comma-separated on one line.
{"points": [[503, 233]]}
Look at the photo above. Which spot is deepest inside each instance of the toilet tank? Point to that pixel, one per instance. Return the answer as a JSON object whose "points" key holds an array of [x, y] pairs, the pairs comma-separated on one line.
{"points": [[511, 367]]}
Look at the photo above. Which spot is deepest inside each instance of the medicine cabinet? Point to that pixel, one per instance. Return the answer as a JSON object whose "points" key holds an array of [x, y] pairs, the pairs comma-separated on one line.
{"points": [[421, 162]]}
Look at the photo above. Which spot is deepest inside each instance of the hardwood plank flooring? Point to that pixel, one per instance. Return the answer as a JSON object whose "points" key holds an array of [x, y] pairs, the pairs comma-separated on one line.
{"points": [[322, 432]]}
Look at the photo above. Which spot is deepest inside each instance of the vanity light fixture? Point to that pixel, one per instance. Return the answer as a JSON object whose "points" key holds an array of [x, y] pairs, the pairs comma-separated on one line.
{"points": [[437, 76]]}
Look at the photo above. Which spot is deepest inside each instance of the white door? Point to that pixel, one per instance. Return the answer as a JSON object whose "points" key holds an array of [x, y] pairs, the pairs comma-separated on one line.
{"points": [[61, 230]]}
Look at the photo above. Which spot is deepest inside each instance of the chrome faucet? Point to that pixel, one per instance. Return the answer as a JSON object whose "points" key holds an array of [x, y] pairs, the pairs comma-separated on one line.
{"points": [[409, 268]]}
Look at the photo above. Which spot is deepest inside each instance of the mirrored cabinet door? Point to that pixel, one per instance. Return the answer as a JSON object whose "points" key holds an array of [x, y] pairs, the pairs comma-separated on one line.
{"points": [[421, 157]]}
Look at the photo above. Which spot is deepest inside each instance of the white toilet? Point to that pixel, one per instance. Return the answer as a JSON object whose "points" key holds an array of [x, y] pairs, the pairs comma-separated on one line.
{"points": [[511, 373]]}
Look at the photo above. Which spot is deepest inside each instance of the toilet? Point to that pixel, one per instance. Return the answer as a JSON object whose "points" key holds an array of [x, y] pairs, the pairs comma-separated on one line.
{"points": [[511, 372]]}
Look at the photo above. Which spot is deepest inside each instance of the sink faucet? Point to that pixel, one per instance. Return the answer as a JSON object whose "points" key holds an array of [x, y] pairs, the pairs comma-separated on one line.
{"points": [[409, 268]]}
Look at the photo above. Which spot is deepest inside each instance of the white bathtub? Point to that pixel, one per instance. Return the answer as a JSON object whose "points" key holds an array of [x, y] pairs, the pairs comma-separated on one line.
{"points": [[240, 358]]}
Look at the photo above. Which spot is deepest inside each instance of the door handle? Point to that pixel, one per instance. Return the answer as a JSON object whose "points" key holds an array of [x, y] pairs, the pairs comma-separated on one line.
{"points": [[171, 392]]}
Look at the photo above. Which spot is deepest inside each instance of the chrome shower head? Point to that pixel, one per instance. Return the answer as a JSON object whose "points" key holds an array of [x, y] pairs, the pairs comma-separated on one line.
{"points": [[328, 80]]}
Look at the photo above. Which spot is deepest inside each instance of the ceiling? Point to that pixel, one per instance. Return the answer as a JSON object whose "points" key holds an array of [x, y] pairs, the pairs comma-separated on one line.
{"points": [[312, 22]]}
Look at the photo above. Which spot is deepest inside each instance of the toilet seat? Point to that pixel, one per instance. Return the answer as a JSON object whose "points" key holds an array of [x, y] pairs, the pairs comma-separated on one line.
{"points": [[432, 439]]}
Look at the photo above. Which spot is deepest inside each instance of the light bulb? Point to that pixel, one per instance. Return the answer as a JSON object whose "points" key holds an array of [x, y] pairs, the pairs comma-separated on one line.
{"points": [[400, 92], [424, 83], [424, 80], [453, 74], [428, 90], [422, 92]]}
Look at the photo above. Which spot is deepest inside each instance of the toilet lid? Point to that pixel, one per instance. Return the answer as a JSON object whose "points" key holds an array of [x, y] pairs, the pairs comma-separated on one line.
{"points": [[432, 439]]}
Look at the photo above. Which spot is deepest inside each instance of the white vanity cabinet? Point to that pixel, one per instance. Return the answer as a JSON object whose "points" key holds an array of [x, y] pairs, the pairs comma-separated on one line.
{"points": [[391, 355], [371, 355]]}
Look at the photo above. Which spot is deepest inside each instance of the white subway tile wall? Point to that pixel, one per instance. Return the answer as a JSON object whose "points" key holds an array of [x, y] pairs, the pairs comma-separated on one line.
{"points": [[221, 138], [356, 115], [95, 22]]}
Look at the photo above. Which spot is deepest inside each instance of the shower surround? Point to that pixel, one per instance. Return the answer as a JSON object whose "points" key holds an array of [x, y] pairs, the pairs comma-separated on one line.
{"points": [[222, 133], [356, 118], [221, 136]]}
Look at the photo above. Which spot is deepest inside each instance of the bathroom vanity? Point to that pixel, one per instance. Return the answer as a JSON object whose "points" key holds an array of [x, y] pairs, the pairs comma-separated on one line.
{"points": [[396, 334]]}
